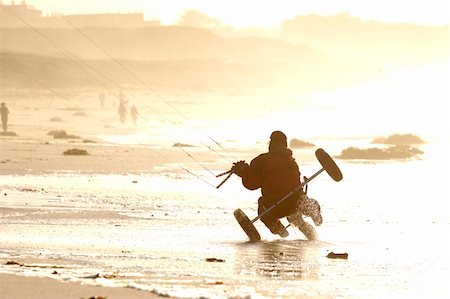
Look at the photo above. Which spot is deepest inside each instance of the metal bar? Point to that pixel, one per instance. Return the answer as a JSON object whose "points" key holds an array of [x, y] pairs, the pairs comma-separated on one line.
{"points": [[289, 194], [223, 182], [223, 173]]}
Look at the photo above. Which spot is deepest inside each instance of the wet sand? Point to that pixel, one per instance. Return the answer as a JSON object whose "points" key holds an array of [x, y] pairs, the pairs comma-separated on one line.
{"points": [[19, 287], [138, 220], [46, 155]]}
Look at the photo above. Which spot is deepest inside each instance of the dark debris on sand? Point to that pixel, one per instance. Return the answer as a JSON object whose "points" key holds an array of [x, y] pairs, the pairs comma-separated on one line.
{"points": [[61, 134], [178, 144], [75, 152], [56, 119], [93, 276], [333, 255], [8, 133], [13, 263], [214, 260]]}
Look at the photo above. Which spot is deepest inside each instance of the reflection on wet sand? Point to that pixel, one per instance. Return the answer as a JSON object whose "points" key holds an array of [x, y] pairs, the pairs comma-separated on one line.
{"points": [[280, 259]]}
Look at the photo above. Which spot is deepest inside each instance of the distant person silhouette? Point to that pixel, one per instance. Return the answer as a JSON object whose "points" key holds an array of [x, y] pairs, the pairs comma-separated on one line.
{"points": [[4, 113], [122, 111], [101, 96], [134, 114]]}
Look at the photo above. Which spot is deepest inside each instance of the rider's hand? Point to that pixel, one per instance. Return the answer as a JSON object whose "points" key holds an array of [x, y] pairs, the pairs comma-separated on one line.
{"points": [[239, 168]]}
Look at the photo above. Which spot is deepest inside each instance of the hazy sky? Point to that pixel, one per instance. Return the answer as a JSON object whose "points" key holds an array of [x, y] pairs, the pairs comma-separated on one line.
{"points": [[260, 13]]}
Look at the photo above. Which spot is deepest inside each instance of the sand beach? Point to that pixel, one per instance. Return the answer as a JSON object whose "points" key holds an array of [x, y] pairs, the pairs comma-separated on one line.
{"points": [[127, 220], [94, 204], [15, 287]]}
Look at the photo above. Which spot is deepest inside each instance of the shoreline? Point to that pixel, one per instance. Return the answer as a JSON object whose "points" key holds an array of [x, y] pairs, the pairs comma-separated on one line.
{"points": [[15, 287], [19, 287]]}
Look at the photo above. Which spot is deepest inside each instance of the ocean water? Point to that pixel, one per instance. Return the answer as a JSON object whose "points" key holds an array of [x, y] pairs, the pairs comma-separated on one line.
{"points": [[156, 232]]}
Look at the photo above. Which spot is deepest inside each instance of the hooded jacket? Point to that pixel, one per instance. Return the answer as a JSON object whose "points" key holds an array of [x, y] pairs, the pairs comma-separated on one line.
{"points": [[275, 172]]}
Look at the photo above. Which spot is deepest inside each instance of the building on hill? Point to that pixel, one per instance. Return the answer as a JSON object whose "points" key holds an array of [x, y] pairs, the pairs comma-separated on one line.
{"points": [[16, 15], [22, 15]]}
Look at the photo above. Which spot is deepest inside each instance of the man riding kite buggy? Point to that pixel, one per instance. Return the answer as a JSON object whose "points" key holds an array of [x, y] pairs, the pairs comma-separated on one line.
{"points": [[277, 174]]}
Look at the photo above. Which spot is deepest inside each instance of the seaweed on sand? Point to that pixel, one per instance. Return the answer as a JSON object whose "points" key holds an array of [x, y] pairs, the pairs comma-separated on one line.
{"points": [[75, 152]]}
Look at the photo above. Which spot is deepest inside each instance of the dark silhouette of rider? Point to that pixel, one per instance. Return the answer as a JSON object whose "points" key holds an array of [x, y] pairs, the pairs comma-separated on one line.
{"points": [[277, 174], [4, 115]]}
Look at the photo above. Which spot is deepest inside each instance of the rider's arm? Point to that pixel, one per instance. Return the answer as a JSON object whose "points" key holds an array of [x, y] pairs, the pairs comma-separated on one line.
{"points": [[252, 175]]}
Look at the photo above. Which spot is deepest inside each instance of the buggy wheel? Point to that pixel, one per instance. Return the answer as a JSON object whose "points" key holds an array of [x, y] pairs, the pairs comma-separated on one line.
{"points": [[247, 225]]}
